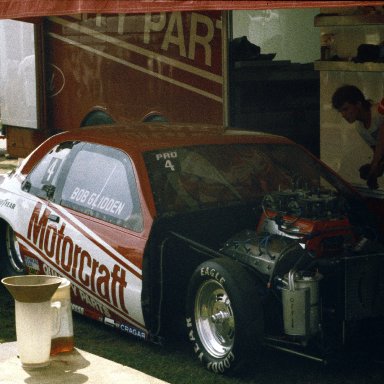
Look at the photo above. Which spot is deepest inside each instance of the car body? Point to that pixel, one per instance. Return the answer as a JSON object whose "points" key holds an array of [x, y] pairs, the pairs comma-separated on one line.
{"points": [[245, 238]]}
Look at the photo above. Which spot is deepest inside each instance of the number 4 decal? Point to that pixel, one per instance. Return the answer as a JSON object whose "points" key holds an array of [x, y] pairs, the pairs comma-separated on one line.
{"points": [[169, 165], [53, 167]]}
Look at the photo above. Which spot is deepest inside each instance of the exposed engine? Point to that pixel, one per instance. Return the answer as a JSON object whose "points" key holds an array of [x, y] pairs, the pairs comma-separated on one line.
{"points": [[301, 237], [317, 220]]}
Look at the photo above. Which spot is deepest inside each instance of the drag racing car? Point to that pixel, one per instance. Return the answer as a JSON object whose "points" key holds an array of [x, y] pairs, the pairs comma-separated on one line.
{"points": [[245, 239]]}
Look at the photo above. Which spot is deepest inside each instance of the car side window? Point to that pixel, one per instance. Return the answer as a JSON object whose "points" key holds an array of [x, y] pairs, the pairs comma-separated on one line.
{"points": [[101, 183], [42, 180]]}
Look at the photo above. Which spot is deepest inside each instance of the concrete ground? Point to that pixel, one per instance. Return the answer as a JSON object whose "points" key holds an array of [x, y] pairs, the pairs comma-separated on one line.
{"points": [[75, 367]]}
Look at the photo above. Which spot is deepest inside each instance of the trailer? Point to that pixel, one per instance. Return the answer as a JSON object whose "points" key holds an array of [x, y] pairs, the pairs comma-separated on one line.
{"points": [[104, 68]]}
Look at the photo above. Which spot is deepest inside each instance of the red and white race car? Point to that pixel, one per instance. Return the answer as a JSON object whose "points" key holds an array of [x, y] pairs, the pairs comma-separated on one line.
{"points": [[245, 238]]}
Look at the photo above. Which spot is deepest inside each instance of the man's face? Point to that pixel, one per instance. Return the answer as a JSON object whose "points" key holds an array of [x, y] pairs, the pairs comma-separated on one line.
{"points": [[350, 112]]}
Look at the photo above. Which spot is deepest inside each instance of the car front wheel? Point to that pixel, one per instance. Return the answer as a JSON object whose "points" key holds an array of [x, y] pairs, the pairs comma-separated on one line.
{"points": [[12, 262], [224, 315]]}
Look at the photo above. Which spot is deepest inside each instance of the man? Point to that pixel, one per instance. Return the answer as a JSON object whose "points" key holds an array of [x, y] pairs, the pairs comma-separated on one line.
{"points": [[354, 107]]}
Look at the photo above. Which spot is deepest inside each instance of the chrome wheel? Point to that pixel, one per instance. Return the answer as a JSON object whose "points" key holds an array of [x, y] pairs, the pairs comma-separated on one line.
{"points": [[13, 252], [215, 322]]}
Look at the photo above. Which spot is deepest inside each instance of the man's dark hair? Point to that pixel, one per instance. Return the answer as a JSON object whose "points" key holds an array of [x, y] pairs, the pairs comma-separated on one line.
{"points": [[349, 94]]}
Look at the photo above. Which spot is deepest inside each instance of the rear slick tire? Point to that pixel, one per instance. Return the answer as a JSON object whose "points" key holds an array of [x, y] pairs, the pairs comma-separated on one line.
{"points": [[224, 316]]}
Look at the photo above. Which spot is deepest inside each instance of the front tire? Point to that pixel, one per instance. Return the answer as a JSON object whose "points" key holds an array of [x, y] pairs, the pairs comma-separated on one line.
{"points": [[11, 263], [224, 315]]}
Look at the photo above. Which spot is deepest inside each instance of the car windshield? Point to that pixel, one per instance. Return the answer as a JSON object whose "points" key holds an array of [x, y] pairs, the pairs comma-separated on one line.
{"points": [[195, 177]]}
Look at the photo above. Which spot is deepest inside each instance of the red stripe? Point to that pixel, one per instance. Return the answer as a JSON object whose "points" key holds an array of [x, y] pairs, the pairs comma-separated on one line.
{"points": [[30, 8]]}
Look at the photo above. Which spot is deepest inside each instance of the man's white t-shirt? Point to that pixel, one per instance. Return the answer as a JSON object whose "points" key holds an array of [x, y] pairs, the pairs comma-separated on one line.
{"points": [[370, 135]]}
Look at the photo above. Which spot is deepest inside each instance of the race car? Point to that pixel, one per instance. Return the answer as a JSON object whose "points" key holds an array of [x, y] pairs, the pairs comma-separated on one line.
{"points": [[244, 239]]}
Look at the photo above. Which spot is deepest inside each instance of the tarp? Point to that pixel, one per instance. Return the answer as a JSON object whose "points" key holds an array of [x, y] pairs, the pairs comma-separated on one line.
{"points": [[11, 9]]}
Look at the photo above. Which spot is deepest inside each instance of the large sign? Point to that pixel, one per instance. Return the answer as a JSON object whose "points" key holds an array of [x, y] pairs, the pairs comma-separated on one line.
{"points": [[131, 65]]}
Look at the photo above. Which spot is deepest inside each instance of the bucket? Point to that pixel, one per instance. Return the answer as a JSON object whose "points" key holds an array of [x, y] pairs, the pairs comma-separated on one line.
{"points": [[34, 316], [62, 329]]}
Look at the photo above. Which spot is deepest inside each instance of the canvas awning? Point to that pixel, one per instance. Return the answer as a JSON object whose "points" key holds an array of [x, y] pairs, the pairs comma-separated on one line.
{"points": [[12, 9]]}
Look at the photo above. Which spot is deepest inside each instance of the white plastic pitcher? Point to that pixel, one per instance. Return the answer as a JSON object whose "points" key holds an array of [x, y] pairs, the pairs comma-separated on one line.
{"points": [[34, 314], [62, 328]]}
